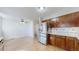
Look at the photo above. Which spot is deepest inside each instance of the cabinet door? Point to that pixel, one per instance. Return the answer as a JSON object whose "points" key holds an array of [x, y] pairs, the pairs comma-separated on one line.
{"points": [[65, 20], [52, 40], [77, 45], [60, 41], [70, 43], [75, 19]]}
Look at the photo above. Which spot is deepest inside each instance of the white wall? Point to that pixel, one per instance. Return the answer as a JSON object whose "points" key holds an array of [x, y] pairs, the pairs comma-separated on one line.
{"points": [[36, 30], [0, 26], [13, 28]]}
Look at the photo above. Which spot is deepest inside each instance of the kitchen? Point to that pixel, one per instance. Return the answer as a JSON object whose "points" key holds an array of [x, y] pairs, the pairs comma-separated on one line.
{"points": [[63, 31], [43, 28]]}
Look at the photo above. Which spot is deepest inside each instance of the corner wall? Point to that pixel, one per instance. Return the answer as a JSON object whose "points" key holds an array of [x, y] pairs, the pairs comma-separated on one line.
{"points": [[0, 26]]}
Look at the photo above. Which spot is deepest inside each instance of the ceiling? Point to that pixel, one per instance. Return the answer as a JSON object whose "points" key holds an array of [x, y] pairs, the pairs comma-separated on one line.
{"points": [[33, 14]]}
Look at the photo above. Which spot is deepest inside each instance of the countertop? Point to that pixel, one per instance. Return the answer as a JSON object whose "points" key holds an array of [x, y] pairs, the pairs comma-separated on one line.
{"points": [[71, 32]]}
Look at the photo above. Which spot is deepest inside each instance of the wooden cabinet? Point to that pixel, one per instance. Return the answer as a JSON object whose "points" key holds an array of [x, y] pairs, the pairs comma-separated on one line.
{"points": [[75, 19], [65, 20], [64, 42], [53, 24], [60, 41], [69, 20], [70, 43], [52, 40], [76, 45]]}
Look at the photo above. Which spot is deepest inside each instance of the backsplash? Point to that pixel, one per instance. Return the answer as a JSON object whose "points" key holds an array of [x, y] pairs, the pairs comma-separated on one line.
{"points": [[71, 31]]}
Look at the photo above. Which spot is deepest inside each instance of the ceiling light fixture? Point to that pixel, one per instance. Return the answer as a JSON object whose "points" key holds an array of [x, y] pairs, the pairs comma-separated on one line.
{"points": [[25, 21], [22, 20], [41, 9]]}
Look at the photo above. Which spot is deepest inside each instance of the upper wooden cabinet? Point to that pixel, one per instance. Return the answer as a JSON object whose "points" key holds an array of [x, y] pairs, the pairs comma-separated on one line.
{"points": [[53, 24], [69, 20], [65, 18], [75, 19], [64, 21]]}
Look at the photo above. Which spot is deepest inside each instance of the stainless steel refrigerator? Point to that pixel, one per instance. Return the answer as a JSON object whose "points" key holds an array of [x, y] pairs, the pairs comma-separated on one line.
{"points": [[43, 33]]}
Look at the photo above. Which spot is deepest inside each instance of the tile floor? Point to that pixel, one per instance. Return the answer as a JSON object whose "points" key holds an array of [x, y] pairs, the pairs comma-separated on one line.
{"points": [[28, 44]]}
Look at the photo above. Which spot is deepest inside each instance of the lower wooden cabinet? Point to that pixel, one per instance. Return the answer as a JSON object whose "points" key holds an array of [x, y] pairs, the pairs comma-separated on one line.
{"points": [[57, 41], [70, 43], [76, 45], [60, 41], [65, 42], [52, 40]]}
